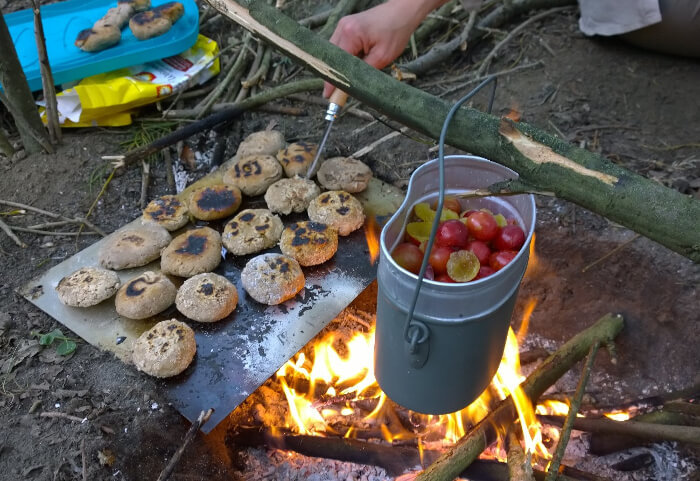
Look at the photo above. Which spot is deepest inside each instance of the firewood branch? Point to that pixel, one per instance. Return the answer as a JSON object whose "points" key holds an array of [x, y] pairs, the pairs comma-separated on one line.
{"points": [[542, 160]]}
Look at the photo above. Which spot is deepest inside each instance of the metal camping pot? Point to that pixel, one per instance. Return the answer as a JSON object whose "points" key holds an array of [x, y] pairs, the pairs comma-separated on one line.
{"points": [[464, 325]]}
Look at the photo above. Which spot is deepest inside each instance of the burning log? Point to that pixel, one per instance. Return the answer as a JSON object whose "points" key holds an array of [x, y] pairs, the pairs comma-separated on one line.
{"points": [[519, 463], [395, 460], [642, 430], [454, 461]]}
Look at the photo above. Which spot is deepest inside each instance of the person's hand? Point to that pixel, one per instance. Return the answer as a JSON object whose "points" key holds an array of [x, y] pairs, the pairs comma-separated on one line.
{"points": [[380, 34]]}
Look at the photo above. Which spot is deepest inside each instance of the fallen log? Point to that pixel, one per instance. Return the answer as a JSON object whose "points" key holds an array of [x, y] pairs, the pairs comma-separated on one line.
{"points": [[643, 430], [545, 163]]}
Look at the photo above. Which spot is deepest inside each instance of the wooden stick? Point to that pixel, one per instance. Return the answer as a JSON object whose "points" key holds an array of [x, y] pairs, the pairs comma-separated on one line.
{"points": [[683, 408], [58, 414], [259, 75], [342, 8], [565, 433], [49, 232], [145, 178], [83, 457], [642, 430], [512, 34], [75, 220], [8, 230], [243, 92], [168, 163], [201, 419], [454, 461], [46, 77], [519, 464]]}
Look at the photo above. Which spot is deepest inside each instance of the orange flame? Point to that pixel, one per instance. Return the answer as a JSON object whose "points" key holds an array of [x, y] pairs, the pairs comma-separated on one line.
{"points": [[525, 323], [372, 235], [533, 261], [618, 416]]}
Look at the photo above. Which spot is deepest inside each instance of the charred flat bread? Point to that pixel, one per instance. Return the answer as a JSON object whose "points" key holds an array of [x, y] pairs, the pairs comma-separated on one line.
{"points": [[88, 286], [272, 278], [265, 142], [145, 296], [206, 297], [251, 231], [310, 243], [344, 173], [337, 209], [166, 211], [215, 201], [118, 16], [291, 195], [133, 247], [165, 350], [98, 37], [156, 21], [137, 5], [297, 157], [191, 253], [254, 174]]}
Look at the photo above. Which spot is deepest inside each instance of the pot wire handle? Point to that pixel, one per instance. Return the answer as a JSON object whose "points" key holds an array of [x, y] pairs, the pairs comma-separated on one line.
{"points": [[417, 332]]}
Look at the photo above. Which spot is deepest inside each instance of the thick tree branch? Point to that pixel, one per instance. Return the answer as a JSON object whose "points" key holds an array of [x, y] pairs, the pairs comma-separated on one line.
{"points": [[587, 179]]}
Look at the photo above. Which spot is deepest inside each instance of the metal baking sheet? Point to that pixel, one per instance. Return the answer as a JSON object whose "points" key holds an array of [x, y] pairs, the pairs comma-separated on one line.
{"points": [[237, 354]]}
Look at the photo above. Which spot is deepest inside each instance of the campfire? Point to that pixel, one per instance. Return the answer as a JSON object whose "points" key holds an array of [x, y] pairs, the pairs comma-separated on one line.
{"points": [[325, 402]]}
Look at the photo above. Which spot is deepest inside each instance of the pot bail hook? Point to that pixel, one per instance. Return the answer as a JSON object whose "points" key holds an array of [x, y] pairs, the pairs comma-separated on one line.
{"points": [[417, 333]]}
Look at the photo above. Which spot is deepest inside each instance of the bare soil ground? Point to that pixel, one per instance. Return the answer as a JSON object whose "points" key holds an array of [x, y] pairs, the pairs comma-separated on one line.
{"points": [[635, 107]]}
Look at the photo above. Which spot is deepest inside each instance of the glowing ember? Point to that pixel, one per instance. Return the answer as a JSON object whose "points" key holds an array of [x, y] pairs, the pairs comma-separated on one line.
{"points": [[372, 235], [551, 407], [618, 416]]}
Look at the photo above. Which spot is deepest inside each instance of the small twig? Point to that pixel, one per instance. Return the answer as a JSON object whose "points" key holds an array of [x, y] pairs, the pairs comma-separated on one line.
{"points": [[616, 249], [509, 71], [692, 145], [94, 202], [76, 220], [46, 77], [58, 414], [565, 433], [261, 72], [50, 232], [83, 457], [8, 230], [48, 225], [203, 418], [369, 148], [168, 163], [512, 34], [145, 178], [257, 60], [519, 463]]}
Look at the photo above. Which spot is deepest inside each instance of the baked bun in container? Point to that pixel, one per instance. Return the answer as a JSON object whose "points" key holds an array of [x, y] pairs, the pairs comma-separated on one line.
{"points": [[165, 350], [272, 278], [88, 286], [206, 297], [145, 296], [337, 209], [133, 247], [310, 243], [192, 252]]}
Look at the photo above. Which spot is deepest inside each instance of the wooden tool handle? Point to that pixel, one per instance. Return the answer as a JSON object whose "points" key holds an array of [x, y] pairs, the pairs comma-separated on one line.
{"points": [[338, 97]]}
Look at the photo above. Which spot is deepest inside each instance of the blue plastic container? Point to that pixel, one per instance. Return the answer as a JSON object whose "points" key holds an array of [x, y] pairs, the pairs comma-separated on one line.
{"points": [[62, 22]]}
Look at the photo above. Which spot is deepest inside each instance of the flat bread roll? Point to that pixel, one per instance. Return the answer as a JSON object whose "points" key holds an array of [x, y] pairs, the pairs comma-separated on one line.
{"points": [[88, 286], [215, 201], [133, 247], [136, 5], [166, 211], [251, 231], [337, 209], [272, 278], [310, 243], [254, 174], [99, 37], [165, 350], [206, 297], [344, 173], [265, 142], [297, 157], [191, 253], [118, 16], [145, 296], [156, 21], [291, 195]]}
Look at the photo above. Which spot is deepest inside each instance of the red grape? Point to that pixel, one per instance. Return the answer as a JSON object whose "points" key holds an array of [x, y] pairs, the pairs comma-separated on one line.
{"points": [[439, 257], [482, 225], [484, 271], [452, 233], [509, 238], [408, 256], [481, 249], [500, 259], [444, 278]]}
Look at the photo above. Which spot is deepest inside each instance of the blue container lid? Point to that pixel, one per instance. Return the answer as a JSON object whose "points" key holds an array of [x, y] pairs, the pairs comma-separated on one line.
{"points": [[62, 21]]}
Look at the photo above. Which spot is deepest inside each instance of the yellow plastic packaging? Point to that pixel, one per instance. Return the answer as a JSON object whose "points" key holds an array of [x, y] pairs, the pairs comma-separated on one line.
{"points": [[108, 99]]}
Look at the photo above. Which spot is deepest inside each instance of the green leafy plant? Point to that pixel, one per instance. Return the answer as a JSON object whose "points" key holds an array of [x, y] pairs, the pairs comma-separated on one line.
{"points": [[64, 346]]}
